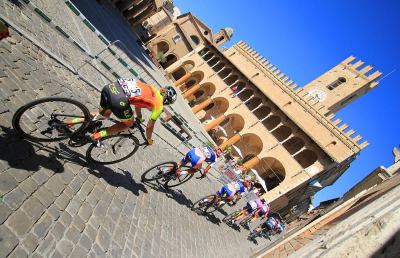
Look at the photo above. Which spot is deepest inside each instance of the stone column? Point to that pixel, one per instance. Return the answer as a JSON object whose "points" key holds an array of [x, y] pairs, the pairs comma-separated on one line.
{"points": [[214, 123], [251, 163], [201, 106], [183, 79], [136, 10], [234, 139], [191, 91]]}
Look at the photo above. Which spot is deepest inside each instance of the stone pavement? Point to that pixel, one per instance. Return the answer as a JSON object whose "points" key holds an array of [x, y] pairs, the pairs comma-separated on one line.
{"points": [[54, 204]]}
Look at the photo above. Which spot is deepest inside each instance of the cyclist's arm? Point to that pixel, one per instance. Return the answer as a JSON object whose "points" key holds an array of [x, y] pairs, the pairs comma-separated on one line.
{"points": [[150, 128]]}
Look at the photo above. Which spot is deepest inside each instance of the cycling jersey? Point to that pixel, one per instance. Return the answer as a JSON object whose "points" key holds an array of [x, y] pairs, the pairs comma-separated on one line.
{"points": [[231, 189], [197, 156], [273, 223], [118, 97], [254, 205]]}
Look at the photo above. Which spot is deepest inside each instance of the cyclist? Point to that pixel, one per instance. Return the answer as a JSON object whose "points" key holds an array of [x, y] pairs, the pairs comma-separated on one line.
{"points": [[274, 222], [256, 208], [236, 188], [196, 157], [117, 97]]}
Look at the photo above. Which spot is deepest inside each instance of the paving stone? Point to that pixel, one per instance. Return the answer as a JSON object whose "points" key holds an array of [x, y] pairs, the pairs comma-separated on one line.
{"points": [[47, 245], [8, 241], [85, 242], [73, 206], [57, 254], [55, 185], [65, 219], [5, 211], [7, 183], [29, 186], [54, 212], [78, 252], [62, 201], [44, 196], [42, 227], [19, 222], [73, 234], [78, 223], [103, 239], [85, 211], [33, 208], [40, 177], [19, 174], [18, 253], [65, 247], [76, 184], [30, 243]]}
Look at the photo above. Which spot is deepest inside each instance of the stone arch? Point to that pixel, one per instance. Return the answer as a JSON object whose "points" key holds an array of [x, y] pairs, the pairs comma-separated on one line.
{"points": [[188, 65], [249, 144], [178, 73], [162, 47], [272, 171], [209, 88], [232, 124], [196, 78], [208, 56], [169, 60], [293, 145], [262, 112], [306, 158], [225, 72], [253, 103], [282, 133], [245, 95], [271, 122], [218, 67], [218, 106], [231, 79], [213, 61]]}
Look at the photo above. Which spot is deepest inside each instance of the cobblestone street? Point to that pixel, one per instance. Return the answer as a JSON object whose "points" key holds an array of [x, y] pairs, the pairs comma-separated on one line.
{"points": [[54, 204]]}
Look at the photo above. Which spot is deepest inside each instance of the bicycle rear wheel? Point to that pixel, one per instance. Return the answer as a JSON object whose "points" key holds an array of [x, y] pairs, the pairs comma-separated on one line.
{"points": [[44, 120], [175, 181], [203, 205], [157, 172], [113, 149]]}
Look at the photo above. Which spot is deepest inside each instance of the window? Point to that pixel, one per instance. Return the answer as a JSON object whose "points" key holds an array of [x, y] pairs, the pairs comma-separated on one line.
{"points": [[195, 39], [336, 83], [176, 38]]}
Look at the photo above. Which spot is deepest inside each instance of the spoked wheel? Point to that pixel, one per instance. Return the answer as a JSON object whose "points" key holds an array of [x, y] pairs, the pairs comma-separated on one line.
{"points": [[231, 216], [205, 204], [112, 149], [175, 181], [46, 120], [156, 172]]}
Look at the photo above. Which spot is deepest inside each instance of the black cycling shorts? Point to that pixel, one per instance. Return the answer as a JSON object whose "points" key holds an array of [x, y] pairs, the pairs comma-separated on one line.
{"points": [[113, 98]]}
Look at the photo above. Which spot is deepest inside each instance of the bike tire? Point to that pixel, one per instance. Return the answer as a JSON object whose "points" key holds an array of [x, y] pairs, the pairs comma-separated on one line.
{"points": [[16, 120], [90, 157], [171, 182], [231, 216], [147, 177], [204, 208]]}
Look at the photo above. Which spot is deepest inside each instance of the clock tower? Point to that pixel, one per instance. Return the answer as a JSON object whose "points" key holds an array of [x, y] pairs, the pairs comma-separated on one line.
{"points": [[343, 84]]}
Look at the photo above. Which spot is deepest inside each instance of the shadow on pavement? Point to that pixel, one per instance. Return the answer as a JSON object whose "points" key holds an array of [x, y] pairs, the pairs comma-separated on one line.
{"points": [[177, 195], [21, 154]]}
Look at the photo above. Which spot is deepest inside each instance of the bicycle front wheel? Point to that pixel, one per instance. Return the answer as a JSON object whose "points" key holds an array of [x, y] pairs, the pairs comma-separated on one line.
{"points": [[175, 181], [157, 172], [232, 216], [48, 119], [112, 149], [203, 205]]}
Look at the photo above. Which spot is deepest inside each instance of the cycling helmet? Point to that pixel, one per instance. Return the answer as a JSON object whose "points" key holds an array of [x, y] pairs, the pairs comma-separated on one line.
{"points": [[169, 95]]}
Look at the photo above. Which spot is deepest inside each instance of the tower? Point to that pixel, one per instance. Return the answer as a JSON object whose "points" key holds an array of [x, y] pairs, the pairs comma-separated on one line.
{"points": [[343, 84], [223, 36]]}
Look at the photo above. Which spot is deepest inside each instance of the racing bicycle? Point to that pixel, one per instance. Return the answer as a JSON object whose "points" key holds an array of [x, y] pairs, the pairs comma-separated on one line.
{"points": [[44, 120]]}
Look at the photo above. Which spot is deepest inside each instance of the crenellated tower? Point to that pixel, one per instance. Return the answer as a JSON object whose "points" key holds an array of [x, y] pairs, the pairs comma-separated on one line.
{"points": [[223, 36], [343, 84]]}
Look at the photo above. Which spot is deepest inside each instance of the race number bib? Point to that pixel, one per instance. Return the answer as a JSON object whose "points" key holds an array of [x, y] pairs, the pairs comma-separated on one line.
{"points": [[206, 153], [130, 87]]}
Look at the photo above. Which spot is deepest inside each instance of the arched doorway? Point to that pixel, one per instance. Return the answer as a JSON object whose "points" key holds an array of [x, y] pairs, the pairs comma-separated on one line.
{"points": [[169, 60], [272, 171]]}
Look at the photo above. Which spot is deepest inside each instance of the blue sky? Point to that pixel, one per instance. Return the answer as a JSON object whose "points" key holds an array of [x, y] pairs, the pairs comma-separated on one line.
{"points": [[306, 38]]}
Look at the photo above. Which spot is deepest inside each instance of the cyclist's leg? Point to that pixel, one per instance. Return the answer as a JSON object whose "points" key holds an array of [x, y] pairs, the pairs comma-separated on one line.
{"points": [[194, 160], [246, 212]]}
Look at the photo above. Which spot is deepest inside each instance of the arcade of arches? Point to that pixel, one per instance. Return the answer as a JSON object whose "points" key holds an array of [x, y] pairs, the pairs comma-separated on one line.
{"points": [[228, 129]]}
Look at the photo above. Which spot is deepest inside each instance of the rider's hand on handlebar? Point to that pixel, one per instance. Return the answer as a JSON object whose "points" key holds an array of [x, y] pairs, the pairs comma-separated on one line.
{"points": [[150, 141]]}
